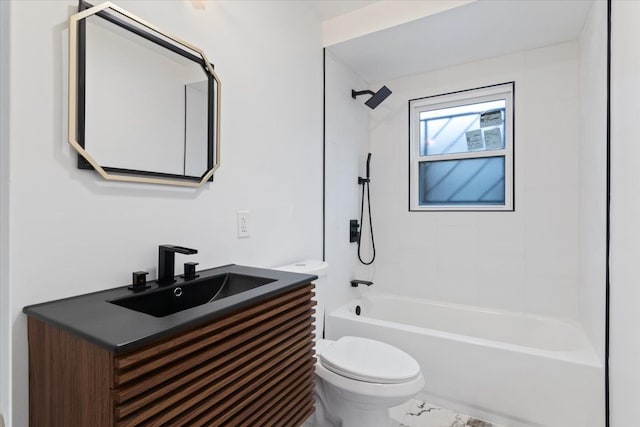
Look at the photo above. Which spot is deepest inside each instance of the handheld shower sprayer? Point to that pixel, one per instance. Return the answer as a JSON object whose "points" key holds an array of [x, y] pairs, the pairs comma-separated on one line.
{"points": [[365, 183], [367, 179]]}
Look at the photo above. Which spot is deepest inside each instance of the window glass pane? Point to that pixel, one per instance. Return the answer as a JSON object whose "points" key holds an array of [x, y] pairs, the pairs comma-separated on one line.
{"points": [[478, 182], [474, 127]]}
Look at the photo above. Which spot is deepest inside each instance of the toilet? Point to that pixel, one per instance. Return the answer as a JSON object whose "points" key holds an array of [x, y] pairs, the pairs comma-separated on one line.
{"points": [[357, 379]]}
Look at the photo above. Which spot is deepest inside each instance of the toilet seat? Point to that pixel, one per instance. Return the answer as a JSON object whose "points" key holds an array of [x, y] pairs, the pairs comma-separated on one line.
{"points": [[369, 361]]}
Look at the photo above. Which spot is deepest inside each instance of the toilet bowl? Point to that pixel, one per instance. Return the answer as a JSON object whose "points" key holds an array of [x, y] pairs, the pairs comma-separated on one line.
{"points": [[359, 379]]}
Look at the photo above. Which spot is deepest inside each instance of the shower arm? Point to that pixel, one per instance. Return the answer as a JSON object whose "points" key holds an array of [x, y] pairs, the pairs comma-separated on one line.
{"points": [[355, 94]]}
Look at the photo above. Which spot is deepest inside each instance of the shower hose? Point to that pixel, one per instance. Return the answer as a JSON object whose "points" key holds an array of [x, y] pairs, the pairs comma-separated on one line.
{"points": [[365, 183]]}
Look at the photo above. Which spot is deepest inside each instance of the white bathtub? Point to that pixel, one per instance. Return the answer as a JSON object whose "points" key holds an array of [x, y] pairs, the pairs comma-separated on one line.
{"points": [[517, 369]]}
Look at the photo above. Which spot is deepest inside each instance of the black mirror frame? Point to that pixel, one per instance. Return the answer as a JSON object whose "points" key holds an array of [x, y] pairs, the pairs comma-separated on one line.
{"points": [[77, 61]]}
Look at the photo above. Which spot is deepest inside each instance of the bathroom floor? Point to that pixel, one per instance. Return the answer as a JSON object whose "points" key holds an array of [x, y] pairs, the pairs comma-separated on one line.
{"points": [[421, 414]]}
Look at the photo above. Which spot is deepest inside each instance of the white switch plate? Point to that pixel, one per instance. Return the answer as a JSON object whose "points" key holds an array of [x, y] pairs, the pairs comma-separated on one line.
{"points": [[243, 224]]}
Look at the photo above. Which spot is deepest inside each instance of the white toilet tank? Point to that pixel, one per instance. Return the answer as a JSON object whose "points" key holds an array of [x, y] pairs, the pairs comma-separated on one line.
{"points": [[320, 269]]}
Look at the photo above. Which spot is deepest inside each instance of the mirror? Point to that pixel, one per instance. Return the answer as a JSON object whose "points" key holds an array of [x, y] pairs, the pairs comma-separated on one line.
{"points": [[144, 106]]}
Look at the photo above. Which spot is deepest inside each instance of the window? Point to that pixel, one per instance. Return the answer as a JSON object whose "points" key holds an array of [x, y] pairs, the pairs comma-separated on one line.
{"points": [[461, 150]]}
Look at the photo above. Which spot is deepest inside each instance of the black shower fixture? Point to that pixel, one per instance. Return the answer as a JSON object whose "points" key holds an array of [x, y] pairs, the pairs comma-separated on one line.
{"points": [[376, 97], [365, 182]]}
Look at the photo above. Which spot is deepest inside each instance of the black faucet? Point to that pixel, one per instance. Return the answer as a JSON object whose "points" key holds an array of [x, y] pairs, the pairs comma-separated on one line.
{"points": [[357, 282], [167, 264]]}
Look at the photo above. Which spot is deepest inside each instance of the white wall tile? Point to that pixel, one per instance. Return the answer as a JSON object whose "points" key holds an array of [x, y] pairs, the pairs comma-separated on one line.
{"points": [[451, 79], [551, 149], [457, 261], [486, 258], [501, 233], [551, 233], [385, 163], [592, 162], [553, 72], [347, 141], [501, 69], [501, 280], [551, 295], [419, 273], [386, 225]]}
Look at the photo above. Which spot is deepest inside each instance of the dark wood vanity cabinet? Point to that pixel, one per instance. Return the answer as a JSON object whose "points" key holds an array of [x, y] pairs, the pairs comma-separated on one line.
{"points": [[253, 367]]}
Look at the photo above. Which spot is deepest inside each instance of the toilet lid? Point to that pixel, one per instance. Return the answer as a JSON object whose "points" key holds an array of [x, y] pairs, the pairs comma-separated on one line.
{"points": [[368, 360]]}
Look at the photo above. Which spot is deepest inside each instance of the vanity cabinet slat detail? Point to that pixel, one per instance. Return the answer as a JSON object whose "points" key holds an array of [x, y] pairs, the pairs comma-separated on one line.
{"points": [[69, 379], [251, 367]]}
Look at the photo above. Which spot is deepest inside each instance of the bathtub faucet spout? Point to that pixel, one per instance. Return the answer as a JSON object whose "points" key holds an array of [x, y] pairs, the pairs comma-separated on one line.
{"points": [[357, 282]]}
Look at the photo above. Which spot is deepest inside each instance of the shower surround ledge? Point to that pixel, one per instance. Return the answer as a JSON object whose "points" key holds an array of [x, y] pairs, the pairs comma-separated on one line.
{"points": [[491, 364]]}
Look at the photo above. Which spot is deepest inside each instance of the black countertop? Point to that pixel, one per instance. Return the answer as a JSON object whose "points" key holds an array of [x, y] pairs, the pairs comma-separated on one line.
{"points": [[118, 329]]}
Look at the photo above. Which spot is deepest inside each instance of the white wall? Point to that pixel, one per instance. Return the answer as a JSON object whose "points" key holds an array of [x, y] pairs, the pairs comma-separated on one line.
{"points": [[5, 371], [593, 174], [625, 211], [347, 141], [73, 233], [525, 260]]}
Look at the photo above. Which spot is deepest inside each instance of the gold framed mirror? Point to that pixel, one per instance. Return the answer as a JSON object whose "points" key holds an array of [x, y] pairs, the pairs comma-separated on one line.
{"points": [[144, 105]]}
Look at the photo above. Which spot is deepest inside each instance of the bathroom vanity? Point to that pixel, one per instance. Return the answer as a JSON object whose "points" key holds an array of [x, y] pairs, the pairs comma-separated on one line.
{"points": [[119, 358]]}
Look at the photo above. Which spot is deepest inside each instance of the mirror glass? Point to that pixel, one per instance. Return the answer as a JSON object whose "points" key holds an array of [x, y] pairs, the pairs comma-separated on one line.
{"points": [[146, 104]]}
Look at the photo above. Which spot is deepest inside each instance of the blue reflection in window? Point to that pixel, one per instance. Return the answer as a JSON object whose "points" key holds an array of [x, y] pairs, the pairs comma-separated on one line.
{"points": [[478, 182]]}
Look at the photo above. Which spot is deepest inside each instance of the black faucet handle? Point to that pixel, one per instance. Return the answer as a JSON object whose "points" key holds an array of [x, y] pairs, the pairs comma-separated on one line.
{"points": [[190, 270], [139, 281]]}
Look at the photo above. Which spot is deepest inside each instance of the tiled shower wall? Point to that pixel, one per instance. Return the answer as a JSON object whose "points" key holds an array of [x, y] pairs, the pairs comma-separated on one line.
{"points": [[593, 169], [525, 260], [347, 140]]}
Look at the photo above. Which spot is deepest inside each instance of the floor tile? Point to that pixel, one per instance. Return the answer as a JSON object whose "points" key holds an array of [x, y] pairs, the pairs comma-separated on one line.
{"points": [[422, 414]]}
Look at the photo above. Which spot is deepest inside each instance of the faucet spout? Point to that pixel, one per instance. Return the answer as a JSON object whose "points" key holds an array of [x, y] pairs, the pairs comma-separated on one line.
{"points": [[357, 282], [167, 262], [179, 249]]}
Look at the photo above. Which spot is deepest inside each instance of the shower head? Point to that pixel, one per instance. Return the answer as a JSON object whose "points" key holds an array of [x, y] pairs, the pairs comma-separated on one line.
{"points": [[376, 98]]}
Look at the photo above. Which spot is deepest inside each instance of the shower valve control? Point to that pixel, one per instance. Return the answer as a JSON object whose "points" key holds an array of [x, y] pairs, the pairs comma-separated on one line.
{"points": [[354, 230]]}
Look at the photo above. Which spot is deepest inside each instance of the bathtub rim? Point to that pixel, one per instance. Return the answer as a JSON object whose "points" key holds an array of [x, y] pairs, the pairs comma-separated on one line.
{"points": [[585, 355]]}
